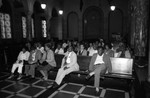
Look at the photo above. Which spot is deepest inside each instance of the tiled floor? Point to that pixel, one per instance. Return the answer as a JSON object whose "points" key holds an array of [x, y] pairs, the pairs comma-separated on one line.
{"points": [[36, 88], [72, 90]]}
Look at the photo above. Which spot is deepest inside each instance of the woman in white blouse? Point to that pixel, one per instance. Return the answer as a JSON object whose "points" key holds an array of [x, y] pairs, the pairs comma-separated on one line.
{"points": [[69, 64]]}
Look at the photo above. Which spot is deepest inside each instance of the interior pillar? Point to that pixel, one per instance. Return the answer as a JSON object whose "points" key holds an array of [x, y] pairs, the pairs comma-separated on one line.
{"points": [[1, 3], [139, 27], [29, 26]]}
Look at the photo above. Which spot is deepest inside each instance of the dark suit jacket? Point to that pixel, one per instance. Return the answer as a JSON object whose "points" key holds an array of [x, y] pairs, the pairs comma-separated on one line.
{"points": [[106, 60]]}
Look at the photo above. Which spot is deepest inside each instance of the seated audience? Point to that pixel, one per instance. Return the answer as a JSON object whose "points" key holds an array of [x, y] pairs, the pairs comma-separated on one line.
{"points": [[123, 51], [82, 51], [35, 56], [69, 64], [28, 45], [76, 47], [22, 58], [47, 62], [99, 64], [115, 49], [59, 49], [64, 45], [92, 50], [108, 50], [40, 47]]}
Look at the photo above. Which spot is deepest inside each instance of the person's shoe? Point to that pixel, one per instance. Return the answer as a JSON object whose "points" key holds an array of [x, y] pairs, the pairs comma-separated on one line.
{"points": [[87, 77], [44, 78], [20, 76], [97, 92], [55, 85], [10, 76], [102, 78], [97, 89]]}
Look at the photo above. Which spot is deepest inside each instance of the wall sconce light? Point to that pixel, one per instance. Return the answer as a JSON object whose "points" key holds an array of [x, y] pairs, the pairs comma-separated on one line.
{"points": [[112, 7], [43, 6], [60, 12]]}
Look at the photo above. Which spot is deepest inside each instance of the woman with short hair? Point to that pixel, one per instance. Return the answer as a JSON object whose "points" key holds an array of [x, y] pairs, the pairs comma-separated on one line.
{"points": [[68, 65], [47, 62]]}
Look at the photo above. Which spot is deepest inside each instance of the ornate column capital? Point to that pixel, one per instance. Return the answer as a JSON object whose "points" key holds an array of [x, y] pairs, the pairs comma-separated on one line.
{"points": [[28, 13], [28, 5]]}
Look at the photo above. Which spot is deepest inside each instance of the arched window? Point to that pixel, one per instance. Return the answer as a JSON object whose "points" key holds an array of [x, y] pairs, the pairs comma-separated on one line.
{"points": [[44, 28], [5, 26], [5, 20], [24, 27]]}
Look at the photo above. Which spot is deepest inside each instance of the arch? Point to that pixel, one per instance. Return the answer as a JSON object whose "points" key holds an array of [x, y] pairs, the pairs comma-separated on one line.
{"points": [[115, 24], [37, 7], [38, 15], [93, 23], [54, 12], [18, 4], [72, 25]]}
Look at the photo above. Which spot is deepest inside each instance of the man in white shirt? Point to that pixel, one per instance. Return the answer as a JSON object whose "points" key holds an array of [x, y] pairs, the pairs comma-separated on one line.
{"points": [[59, 49], [22, 57], [100, 63], [92, 50]]}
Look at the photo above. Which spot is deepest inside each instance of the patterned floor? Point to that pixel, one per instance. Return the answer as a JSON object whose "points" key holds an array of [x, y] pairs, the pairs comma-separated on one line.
{"points": [[36, 88], [72, 90]]}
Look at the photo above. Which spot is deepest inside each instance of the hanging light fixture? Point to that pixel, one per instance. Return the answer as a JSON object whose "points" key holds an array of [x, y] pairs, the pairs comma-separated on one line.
{"points": [[112, 7], [43, 6], [60, 12]]}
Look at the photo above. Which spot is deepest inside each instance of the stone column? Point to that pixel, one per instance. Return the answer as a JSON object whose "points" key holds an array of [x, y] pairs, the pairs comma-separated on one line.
{"points": [[29, 26], [60, 27], [28, 5], [149, 58], [48, 27], [48, 24], [149, 49], [139, 26]]}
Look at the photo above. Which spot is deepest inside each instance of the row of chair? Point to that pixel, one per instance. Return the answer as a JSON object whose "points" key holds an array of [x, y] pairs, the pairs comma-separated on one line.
{"points": [[122, 68]]}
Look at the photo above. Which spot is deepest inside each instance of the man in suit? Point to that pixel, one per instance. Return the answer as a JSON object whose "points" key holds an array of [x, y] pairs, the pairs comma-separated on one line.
{"points": [[68, 65], [99, 64], [82, 51]]}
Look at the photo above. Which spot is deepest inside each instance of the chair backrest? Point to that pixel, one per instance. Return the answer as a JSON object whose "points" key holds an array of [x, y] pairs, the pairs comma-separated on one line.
{"points": [[84, 62], [122, 65], [58, 59]]}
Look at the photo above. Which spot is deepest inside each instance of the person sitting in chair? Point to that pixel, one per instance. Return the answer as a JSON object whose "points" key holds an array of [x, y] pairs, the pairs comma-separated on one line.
{"points": [[82, 51], [22, 58], [99, 64], [35, 56], [59, 49], [68, 65], [47, 62]]}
